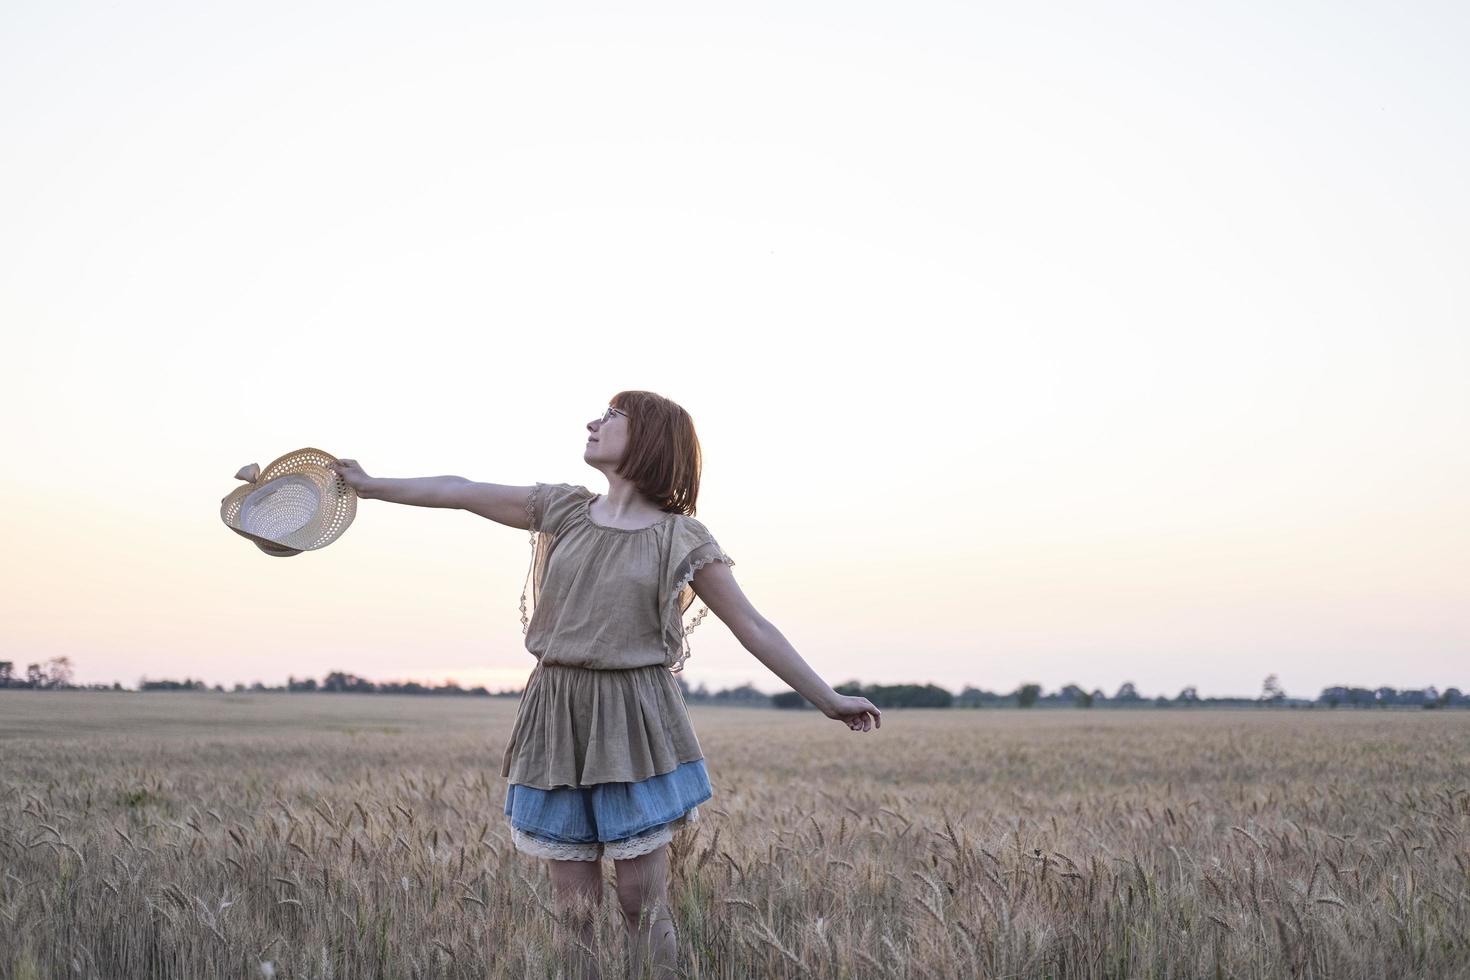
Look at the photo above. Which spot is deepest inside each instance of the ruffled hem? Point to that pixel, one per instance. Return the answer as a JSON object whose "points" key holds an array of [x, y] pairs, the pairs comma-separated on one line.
{"points": [[618, 850], [607, 811], [579, 727]]}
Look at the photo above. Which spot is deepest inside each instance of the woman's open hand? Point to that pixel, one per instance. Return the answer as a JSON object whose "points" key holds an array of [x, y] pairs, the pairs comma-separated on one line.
{"points": [[859, 713]]}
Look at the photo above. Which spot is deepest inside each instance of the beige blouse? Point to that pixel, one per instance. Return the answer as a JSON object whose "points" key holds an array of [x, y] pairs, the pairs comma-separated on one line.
{"points": [[608, 628]]}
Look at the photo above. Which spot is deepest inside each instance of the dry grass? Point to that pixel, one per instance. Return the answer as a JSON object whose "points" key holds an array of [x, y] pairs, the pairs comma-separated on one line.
{"points": [[347, 837]]}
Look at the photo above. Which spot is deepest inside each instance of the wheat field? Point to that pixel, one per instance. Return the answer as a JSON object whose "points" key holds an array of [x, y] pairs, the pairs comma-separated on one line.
{"points": [[196, 834]]}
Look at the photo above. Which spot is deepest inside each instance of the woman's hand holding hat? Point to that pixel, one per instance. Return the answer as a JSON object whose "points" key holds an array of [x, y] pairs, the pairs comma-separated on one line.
{"points": [[352, 474]]}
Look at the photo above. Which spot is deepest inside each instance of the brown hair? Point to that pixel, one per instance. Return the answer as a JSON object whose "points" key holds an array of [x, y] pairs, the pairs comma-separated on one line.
{"points": [[662, 459]]}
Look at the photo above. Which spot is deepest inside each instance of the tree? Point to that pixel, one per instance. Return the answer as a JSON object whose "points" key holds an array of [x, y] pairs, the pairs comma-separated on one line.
{"points": [[1027, 694], [971, 697], [747, 694], [1188, 695], [1271, 690], [1127, 693], [899, 695], [341, 681], [58, 672]]}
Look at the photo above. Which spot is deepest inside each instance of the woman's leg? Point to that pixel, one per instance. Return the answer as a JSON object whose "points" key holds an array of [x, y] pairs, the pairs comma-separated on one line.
{"points": [[643, 894], [576, 888]]}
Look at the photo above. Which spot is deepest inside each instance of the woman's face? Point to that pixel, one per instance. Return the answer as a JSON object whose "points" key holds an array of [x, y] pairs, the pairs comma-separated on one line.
{"points": [[608, 438]]}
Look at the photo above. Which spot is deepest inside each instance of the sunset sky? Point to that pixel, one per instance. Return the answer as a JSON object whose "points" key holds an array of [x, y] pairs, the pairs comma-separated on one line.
{"points": [[1024, 342]]}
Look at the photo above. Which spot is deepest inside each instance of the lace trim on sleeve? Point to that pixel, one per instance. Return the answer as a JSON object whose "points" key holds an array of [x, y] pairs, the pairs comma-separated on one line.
{"points": [[684, 580], [531, 524]]}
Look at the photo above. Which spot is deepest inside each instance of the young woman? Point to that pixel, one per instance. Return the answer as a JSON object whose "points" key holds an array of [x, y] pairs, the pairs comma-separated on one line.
{"points": [[602, 759]]}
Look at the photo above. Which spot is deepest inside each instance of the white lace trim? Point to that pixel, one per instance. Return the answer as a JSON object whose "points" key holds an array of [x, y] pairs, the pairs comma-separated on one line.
{"points": [[531, 525], [638, 845], [684, 651], [618, 850], [556, 850]]}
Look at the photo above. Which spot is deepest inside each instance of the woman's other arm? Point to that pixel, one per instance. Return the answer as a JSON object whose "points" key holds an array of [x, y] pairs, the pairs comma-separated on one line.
{"points": [[715, 584]]}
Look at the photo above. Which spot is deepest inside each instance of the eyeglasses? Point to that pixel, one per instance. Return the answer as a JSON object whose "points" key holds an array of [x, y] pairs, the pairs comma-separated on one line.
{"points": [[611, 412]]}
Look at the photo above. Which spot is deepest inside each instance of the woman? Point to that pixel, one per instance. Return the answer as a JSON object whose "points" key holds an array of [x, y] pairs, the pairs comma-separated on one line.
{"points": [[602, 759]]}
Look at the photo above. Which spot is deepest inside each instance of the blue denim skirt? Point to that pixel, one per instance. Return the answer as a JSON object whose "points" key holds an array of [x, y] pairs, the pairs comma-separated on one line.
{"points": [[606, 812]]}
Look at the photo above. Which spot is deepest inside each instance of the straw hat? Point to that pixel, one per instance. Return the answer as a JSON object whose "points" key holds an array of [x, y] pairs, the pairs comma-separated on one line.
{"points": [[295, 504]]}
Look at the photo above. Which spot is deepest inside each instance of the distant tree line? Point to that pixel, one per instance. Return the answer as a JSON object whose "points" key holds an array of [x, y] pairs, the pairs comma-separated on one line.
{"points": [[882, 695], [1031, 695], [56, 674], [335, 682], [743, 696]]}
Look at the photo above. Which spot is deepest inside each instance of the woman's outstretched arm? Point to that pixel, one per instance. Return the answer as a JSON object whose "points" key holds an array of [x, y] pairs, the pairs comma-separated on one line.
{"points": [[420, 491], [715, 584]]}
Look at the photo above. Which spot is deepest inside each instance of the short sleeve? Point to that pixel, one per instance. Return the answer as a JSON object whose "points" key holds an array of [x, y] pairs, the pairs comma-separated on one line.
{"points": [[548, 504], [693, 548]]}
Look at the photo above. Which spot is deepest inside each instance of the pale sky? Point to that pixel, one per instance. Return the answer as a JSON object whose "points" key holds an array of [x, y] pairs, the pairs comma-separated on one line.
{"points": [[1024, 342]]}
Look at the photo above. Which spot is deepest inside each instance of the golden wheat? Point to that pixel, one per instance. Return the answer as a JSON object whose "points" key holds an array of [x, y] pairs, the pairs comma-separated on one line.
{"points": [[200, 835]]}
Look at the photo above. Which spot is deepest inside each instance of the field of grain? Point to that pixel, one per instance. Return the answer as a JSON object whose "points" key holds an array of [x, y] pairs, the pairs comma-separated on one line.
{"points": [[194, 834]]}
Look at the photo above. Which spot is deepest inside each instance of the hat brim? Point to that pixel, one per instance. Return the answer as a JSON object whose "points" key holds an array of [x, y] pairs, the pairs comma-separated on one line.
{"points": [[267, 545]]}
